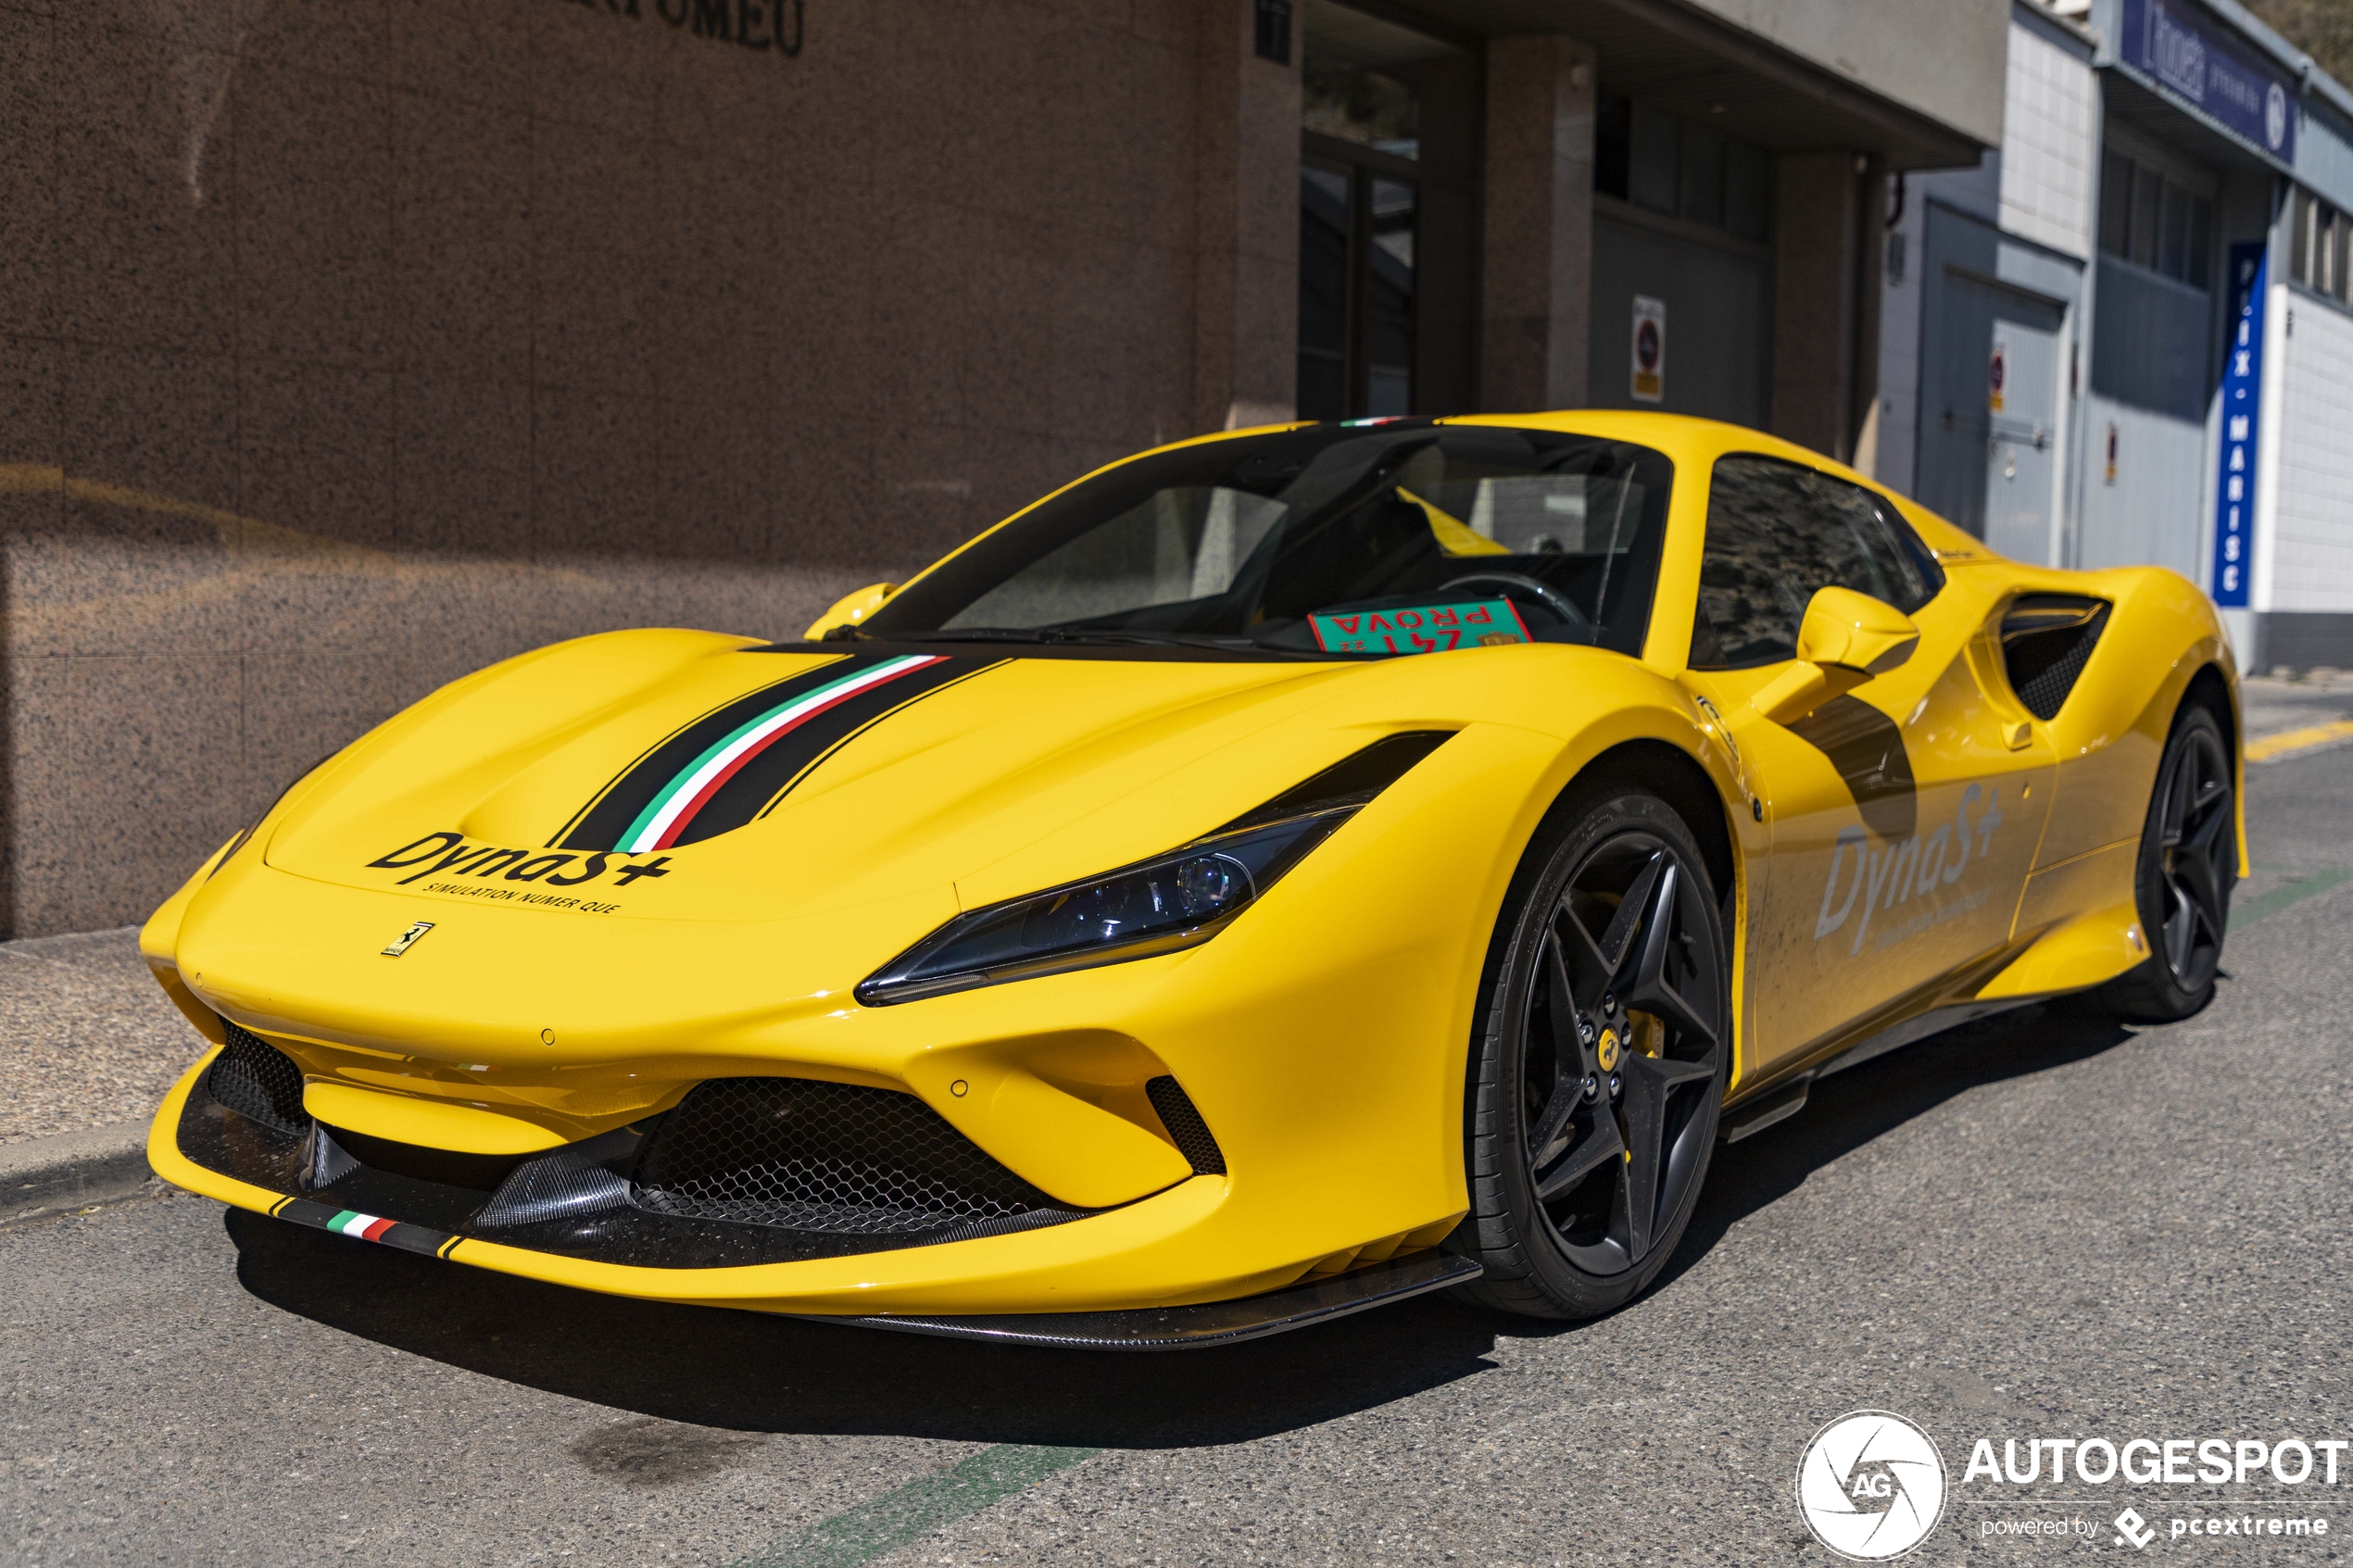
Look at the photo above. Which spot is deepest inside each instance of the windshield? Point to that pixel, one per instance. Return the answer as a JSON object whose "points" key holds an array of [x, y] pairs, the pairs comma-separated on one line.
{"points": [[1404, 538]]}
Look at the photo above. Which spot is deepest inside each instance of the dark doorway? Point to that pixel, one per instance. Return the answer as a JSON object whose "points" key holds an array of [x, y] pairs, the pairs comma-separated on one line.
{"points": [[1356, 292]]}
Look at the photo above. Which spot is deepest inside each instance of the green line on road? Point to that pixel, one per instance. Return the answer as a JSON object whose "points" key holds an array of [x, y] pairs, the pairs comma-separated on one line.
{"points": [[2246, 914], [931, 1502]]}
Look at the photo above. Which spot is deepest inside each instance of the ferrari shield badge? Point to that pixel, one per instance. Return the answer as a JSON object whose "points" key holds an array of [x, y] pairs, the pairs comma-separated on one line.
{"points": [[1420, 628], [407, 939]]}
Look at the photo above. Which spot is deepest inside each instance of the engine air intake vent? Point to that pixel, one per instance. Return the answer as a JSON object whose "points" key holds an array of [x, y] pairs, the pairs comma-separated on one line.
{"points": [[1183, 1120], [805, 1155], [258, 1081], [2046, 640]]}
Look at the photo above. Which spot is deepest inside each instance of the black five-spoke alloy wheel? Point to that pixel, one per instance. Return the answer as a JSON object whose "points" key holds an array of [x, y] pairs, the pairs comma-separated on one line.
{"points": [[2189, 861], [1597, 1075]]}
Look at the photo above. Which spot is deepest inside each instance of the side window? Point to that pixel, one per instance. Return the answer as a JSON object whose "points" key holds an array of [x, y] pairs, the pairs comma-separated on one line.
{"points": [[1777, 532]]}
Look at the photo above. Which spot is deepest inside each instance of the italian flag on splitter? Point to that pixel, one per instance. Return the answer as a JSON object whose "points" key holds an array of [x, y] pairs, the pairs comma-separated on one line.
{"points": [[367, 1228]]}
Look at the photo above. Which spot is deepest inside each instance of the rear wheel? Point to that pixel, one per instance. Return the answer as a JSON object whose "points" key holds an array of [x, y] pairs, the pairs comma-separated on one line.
{"points": [[2189, 861], [1599, 1064]]}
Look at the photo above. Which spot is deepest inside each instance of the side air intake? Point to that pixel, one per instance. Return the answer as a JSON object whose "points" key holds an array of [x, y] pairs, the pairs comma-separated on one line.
{"points": [[1183, 1120], [2046, 640]]}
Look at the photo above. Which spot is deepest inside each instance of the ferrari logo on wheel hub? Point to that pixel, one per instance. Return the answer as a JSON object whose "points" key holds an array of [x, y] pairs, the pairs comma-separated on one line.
{"points": [[1609, 1050]]}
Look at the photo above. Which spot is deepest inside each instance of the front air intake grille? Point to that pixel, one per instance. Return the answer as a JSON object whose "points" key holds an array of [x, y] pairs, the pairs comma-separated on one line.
{"points": [[2046, 640], [1194, 1140], [258, 1081], [810, 1156]]}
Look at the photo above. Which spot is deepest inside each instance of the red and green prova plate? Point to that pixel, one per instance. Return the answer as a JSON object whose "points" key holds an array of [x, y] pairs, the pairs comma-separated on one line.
{"points": [[1421, 628]]}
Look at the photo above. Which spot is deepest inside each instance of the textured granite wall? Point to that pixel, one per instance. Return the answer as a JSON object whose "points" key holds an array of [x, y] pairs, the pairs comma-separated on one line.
{"points": [[348, 344]]}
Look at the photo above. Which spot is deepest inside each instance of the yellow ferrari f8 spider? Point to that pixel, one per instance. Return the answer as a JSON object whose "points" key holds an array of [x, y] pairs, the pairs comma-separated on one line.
{"points": [[1276, 875]]}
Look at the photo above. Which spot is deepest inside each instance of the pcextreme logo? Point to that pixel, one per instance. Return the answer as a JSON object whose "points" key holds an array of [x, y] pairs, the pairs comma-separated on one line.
{"points": [[1871, 1486]]}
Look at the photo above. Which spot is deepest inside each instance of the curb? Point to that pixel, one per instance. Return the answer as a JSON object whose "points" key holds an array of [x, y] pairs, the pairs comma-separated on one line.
{"points": [[46, 1175]]}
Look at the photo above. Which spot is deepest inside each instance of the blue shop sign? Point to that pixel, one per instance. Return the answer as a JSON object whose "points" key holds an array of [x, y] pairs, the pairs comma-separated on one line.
{"points": [[2242, 416], [2187, 59]]}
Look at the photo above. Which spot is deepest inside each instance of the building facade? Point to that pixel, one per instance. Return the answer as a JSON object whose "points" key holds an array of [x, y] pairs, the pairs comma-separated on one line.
{"points": [[346, 348], [2123, 337]]}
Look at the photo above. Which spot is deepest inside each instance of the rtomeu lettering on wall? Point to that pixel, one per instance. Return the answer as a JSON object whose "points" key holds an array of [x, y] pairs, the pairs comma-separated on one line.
{"points": [[754, 24], [2242, 413]]}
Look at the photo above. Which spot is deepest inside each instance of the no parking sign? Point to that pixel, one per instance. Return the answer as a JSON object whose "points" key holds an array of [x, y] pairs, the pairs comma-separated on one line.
{"points": [[1650, 349]]}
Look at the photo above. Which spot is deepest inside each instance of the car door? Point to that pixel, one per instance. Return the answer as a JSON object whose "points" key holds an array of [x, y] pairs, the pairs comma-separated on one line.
{"points": [[1904, 814]]}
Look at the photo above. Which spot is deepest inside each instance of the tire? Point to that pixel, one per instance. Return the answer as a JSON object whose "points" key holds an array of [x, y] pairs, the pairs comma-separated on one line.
{"points": [[1577, 1198], [2188, 864]]}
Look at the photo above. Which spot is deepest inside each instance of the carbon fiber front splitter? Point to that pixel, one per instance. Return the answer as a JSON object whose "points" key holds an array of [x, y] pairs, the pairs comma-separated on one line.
{"points": [[1212, 1322]]}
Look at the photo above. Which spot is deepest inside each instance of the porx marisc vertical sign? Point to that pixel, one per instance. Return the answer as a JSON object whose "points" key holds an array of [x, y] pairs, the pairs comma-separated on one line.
{"points": [[2242, 420]]}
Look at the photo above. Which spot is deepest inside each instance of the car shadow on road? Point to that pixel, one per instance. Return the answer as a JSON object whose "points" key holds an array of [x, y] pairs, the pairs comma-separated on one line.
{"points": [[1849, 1109], [753, 1372]]}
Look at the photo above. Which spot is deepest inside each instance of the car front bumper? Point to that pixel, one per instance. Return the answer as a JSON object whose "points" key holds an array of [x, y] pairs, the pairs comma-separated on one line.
{"points": [[1172, 1249]]}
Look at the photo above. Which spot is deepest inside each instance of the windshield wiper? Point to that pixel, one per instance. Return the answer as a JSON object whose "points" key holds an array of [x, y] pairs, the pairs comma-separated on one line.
{"points": [[1130, 634], [1074, 634]]}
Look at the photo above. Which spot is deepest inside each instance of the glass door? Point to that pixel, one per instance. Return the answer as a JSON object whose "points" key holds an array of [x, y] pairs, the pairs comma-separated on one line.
{"points": [[1355, 292]]}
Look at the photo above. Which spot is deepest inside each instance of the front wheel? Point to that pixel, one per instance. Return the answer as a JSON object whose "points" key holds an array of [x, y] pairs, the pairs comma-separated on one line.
{"points": [[2189, 861], [1598, 1068]]}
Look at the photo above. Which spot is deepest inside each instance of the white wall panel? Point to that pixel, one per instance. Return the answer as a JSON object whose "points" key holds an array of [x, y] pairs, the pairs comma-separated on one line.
{"points": [[2047, 145], [2151, 514], [2312, 538]]}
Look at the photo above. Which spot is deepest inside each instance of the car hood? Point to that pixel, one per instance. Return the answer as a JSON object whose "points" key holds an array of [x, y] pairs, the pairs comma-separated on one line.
{"points": [[679, 776], [453, 888]]}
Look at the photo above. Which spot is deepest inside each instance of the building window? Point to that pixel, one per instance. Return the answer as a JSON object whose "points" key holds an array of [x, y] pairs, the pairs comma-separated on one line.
{"points": [[1355, 103], [2321, 246], [1649, 158], [2154, 222], [1360, 211]]}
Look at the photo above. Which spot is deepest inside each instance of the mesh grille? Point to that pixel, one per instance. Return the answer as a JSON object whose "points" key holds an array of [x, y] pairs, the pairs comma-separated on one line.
{"points": [[2042, 666], [1194, 1140], [256, 1079], [815, 1155]]}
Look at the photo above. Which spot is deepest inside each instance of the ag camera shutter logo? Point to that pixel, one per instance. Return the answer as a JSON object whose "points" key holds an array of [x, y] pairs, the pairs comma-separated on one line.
{"points": [[1871, 1486]]}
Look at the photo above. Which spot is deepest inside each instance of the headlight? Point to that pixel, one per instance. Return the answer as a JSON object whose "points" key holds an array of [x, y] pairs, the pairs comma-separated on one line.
{"points": [[1159, 906]]}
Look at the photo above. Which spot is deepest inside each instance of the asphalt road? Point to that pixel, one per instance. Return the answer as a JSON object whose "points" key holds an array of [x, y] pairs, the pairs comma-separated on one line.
{"points": [[2042, 1226]]}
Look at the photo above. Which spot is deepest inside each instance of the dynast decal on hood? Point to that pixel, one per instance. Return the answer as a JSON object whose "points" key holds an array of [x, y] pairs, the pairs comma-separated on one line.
{"points": [[448, 854]]}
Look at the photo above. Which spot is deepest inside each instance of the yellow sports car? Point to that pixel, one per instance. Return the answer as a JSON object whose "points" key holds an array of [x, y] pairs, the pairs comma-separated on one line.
{"points": [[1273, 875]]}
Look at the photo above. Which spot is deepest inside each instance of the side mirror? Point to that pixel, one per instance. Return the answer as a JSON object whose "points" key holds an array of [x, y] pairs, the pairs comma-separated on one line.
{"points": [[1845, 640], [850, 609]]}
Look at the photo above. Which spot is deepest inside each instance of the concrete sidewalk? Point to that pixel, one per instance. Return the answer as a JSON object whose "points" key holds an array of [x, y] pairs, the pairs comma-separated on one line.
{"points": [[91, 1039], [91, 1045]]}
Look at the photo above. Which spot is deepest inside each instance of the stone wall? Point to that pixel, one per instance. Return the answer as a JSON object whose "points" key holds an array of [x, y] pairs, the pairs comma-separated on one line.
{"points": [[346, 346]]}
